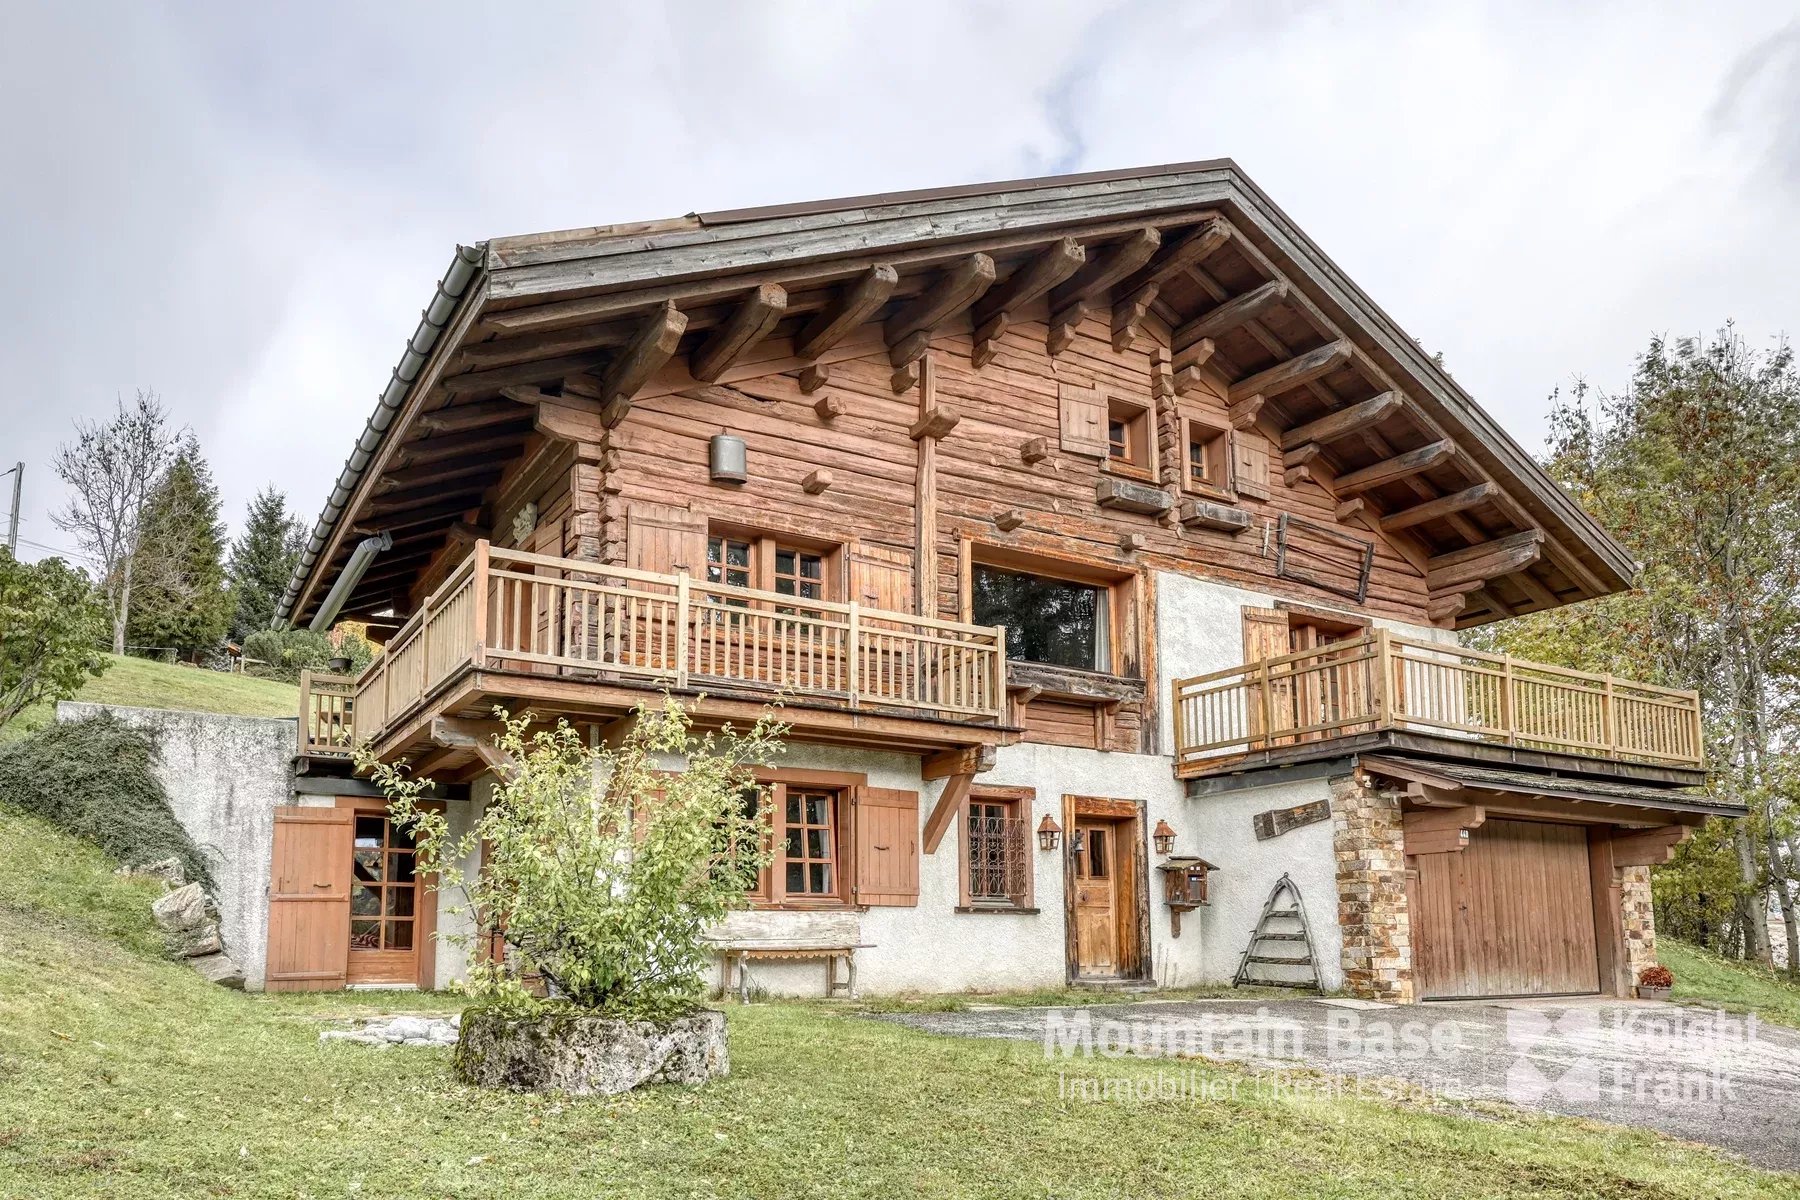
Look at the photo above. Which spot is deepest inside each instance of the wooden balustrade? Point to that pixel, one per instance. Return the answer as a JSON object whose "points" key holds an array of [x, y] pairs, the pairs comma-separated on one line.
{"points": [[573, 619], [1381, 681], [327, 723]]}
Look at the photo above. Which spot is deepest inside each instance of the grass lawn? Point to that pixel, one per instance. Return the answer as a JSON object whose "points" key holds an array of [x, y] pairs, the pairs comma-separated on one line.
{"points": [[1702, 977], [122, 1075], [145, 684]]}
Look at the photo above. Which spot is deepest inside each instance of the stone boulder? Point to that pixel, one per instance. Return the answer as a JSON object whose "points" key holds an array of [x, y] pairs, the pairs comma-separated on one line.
{"points": [[189, 922], [590, 1056], [221, 969]]}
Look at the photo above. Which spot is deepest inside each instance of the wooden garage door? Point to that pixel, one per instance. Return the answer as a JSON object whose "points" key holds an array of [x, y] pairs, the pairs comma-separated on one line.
{"points": [[1510, 915]]}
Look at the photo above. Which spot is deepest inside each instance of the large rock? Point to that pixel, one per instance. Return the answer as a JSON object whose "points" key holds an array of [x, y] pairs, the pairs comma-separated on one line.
{"points": [[202, 940], [590, 1056], [221, 969], [184, 909]]}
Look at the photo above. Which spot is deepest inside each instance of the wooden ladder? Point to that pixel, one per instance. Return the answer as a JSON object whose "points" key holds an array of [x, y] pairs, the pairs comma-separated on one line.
{"points": [[1277, 928]]}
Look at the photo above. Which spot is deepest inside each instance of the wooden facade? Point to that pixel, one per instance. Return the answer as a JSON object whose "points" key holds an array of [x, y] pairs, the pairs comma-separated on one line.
{"points": [[815, 452]]}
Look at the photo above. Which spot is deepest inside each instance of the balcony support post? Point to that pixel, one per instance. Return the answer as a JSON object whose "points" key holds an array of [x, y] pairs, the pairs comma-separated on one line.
{"points": [[1507, 722], [681, 628], [479, 614], [1609, 733], [1384, 682], [1268, 707], [855, 651]]}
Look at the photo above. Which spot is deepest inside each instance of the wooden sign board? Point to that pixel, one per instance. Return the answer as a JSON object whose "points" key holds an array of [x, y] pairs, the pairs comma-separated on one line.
{"points": [[1278, 821]]}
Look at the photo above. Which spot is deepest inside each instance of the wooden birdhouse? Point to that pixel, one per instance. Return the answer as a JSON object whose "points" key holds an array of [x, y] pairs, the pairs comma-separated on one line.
{"points": [[1184, 887]]}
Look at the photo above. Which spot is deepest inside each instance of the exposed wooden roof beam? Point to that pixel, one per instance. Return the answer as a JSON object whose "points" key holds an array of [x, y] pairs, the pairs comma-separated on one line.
{"points": [[1190, 251], [753, 321], [1443, 506], [1478, 564], [1128, 314], [1345, 421], [1401, 466], [509, 351], [538, 371], [570, 417], [451, 445], [1232, 313], [452, 510], [463, 417], [653, 345], [908, 332], [1295, 371], [1117, 261], [859, 301], [469, 495], [1045, 270], [433, 474]]}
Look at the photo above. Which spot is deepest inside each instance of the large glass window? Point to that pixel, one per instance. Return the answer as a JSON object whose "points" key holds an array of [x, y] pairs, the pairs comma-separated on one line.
{"points": [[1048, 620]]}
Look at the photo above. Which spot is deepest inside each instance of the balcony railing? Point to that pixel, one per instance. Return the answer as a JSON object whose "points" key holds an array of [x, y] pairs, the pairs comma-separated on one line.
{"points": [[1380, 682], [575, 619], [327, 727]]}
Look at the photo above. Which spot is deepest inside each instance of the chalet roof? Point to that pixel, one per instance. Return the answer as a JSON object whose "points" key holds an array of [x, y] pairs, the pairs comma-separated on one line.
{"points": [[1194, 253]]}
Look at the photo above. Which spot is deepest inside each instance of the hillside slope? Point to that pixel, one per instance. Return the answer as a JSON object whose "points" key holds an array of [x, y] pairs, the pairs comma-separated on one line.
{"points": [[123, 1075], [144, 684]]}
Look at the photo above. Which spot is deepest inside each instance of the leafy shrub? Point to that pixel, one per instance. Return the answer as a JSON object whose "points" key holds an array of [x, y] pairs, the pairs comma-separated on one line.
{"points": [[284, 653], [51, 621], [94, 778], [600, 868], [1656, 976]]}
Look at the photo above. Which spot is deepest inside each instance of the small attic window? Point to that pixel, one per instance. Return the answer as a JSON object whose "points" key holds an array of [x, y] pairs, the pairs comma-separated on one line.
{"points": [[1207, 458], [1128, 434]]}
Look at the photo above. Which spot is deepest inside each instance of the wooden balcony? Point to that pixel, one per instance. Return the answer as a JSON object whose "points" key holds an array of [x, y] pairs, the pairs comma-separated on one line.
{"points": [[1384, 683], [568, 636], [327, 727]]}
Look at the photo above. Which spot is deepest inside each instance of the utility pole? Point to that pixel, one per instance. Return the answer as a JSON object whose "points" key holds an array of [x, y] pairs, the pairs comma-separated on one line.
{"points": [[12, 523]]}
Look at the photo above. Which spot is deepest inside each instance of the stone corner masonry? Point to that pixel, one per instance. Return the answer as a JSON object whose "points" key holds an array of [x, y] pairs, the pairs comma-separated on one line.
{"points": [[1370, 845]]}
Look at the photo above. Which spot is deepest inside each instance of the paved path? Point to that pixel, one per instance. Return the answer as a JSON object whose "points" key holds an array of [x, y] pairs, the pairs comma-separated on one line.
{"points": [[1688, 1072]]}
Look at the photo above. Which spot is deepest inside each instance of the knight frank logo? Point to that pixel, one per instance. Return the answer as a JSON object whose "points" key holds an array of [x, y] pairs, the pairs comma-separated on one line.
{"points": [[1547, 1063]]}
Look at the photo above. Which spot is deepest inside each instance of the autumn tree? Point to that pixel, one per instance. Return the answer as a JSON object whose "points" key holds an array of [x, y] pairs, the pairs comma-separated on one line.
{"points": [[262, 561], [1696, 469], [112, 467]]}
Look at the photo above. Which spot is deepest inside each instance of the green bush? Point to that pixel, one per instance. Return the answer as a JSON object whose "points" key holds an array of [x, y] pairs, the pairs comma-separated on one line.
{"points": [[284, 653], [94, 778], [600, 868]]}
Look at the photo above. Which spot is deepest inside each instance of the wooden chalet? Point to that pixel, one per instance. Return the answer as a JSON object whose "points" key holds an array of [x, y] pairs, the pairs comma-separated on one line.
{"points": [[1086, 502]]}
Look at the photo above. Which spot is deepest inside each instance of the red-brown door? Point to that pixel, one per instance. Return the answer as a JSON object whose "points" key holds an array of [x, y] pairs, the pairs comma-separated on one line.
{"points": [[1511, 914], [387, 917], [309, 900]]}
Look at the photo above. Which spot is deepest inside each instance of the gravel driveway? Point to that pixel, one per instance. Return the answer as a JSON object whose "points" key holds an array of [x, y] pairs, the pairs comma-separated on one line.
{"points": [[1728, 1081]]}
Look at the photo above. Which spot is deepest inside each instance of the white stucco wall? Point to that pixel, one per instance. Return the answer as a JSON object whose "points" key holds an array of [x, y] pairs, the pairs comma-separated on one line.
{"points": [[224, 776]]}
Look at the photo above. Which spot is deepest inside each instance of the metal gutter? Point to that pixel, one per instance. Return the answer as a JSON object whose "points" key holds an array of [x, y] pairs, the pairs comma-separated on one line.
{"points": [[464, 269]]}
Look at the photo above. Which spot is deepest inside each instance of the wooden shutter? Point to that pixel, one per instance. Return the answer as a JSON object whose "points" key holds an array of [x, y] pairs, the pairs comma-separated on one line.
{"points": [[667, 539], [1250, 464], [1266, 636], [881, 576], [887, 847], [309, 900], [1083, 419]]}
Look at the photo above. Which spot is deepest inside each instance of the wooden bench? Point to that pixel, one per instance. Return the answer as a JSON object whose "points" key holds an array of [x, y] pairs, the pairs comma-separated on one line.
{"points": [[771, 936], [740, 953]]}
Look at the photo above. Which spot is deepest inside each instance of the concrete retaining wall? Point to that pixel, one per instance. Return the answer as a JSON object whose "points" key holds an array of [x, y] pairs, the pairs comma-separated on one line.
{"points": [[225, 776]]}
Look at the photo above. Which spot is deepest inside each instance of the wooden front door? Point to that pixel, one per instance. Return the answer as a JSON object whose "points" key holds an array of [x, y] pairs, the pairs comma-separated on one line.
{"points": [[387, 912], [309, 900], [1104, 902], [1512, 914], [1096, 901]]}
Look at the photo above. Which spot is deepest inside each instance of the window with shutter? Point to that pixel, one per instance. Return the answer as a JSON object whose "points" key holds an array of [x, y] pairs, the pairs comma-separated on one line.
{"points": [[887, 847], [1084, 420], [665, 539]]}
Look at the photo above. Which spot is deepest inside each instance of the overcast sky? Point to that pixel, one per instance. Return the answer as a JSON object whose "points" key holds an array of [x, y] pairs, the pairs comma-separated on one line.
{"points": [[246, 211]]}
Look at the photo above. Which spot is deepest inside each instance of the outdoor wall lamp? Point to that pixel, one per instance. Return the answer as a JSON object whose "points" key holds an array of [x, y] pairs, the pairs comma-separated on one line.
{"points": [[1049, 833], [1164, 837]]}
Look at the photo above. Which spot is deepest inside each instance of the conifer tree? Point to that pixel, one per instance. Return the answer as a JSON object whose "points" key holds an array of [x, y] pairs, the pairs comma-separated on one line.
{"points": [[262, 561]]}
